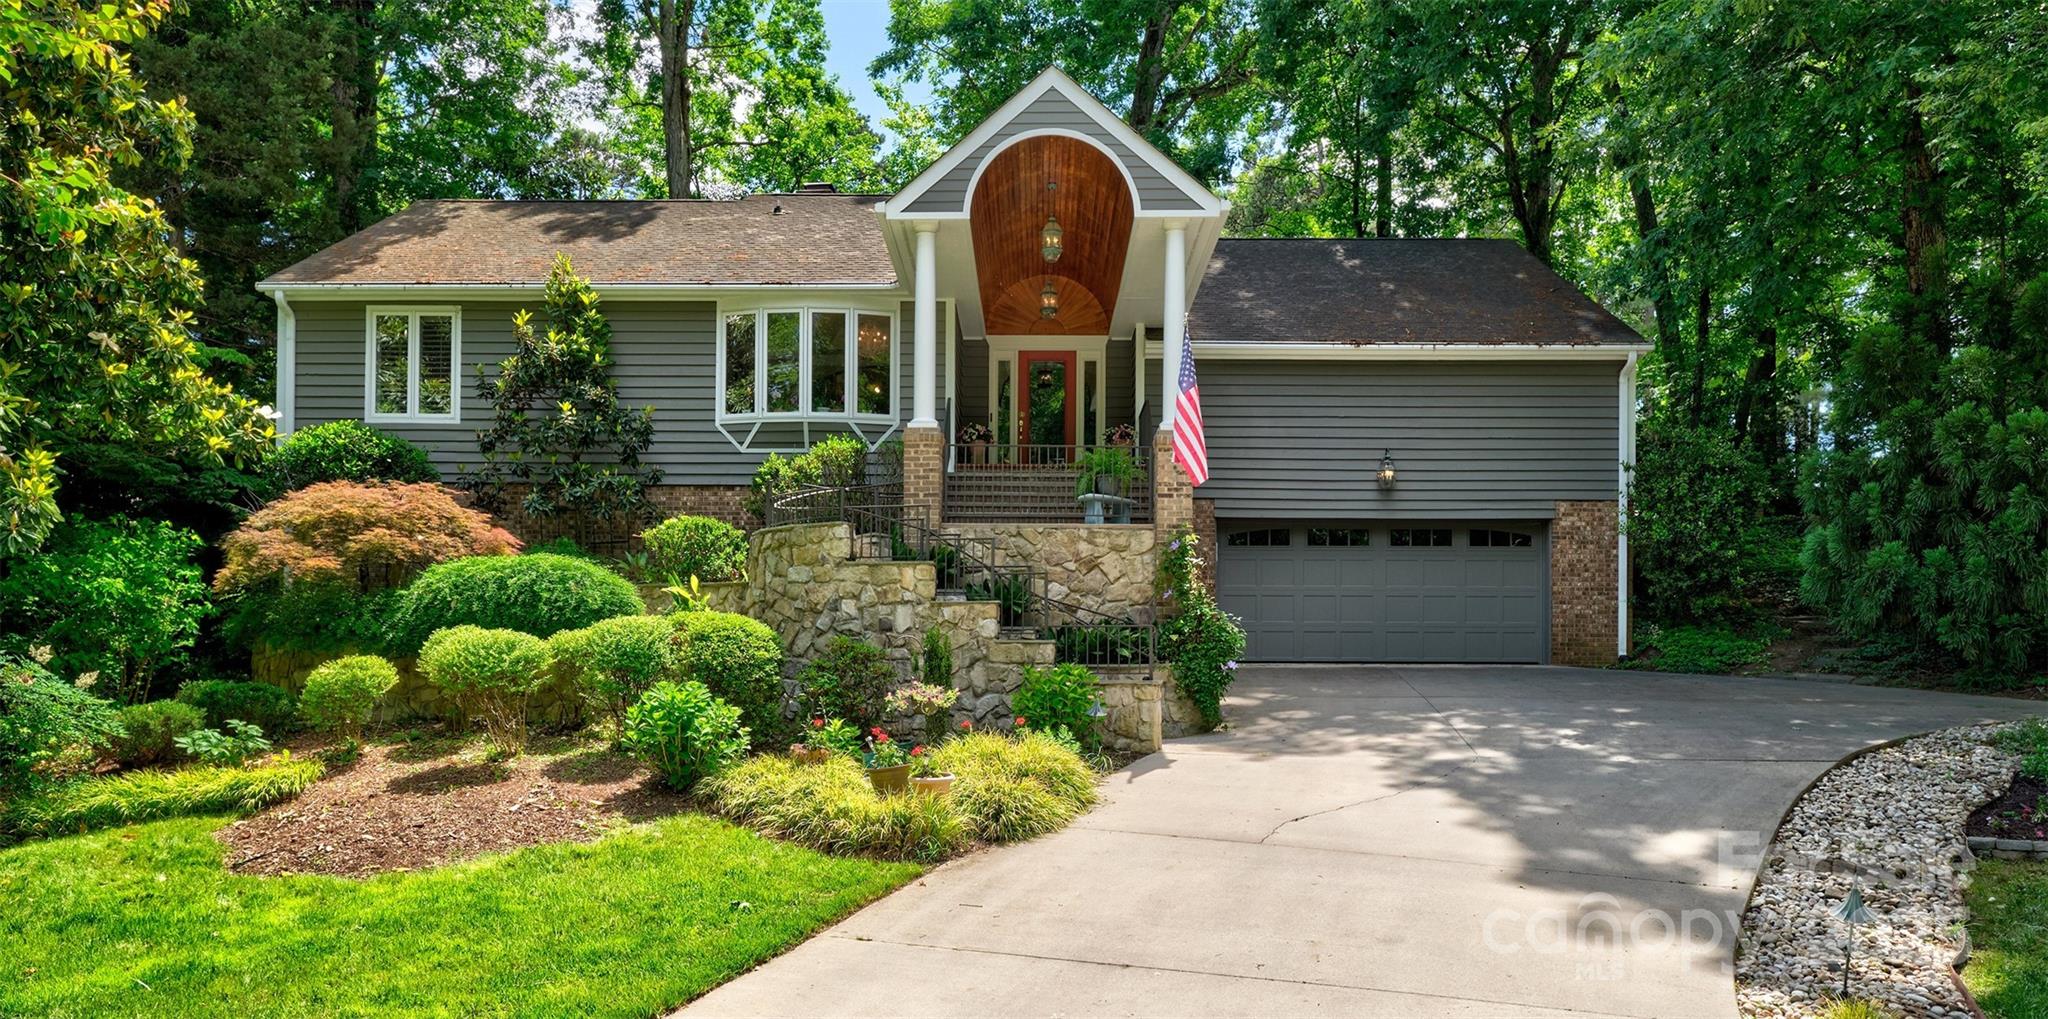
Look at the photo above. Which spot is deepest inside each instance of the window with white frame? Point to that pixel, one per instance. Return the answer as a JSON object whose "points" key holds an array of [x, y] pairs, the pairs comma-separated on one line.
{"points": [[412, 357], [807, 363]]}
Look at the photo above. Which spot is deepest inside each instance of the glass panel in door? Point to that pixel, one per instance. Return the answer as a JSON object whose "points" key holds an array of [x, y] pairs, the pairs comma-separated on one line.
{"points": [[1046, 420]]}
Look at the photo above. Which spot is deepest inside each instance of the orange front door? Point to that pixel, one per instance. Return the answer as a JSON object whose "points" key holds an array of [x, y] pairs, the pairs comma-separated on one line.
{"points": [[1046, 414]]}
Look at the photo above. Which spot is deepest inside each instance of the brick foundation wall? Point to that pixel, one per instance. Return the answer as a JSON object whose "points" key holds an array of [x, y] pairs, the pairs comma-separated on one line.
{"points": [[1205, 529], [724, 502], [1583, 542], [1173, 499]]}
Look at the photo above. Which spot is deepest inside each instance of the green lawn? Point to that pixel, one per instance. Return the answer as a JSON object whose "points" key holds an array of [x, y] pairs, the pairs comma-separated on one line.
{"points": [[144, 921], [2008, 970]]}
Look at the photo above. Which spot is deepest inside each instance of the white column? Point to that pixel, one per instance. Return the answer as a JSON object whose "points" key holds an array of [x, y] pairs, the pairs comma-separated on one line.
{"points": [[924, 363], [287, 364], [1174, 324], [1137, 379]]}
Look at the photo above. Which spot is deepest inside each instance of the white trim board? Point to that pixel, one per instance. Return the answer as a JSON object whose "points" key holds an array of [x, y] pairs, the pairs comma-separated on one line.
{"points": [[413, 314], [1340, 351]]}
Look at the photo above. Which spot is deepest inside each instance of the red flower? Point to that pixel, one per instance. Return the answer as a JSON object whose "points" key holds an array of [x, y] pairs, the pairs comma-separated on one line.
{"points": [[877, 731], [966, 723], [1021, 720], [817, 723], [917, 751]]}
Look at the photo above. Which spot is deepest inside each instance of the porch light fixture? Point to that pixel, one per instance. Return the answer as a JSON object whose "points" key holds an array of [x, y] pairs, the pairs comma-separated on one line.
{"points": [[1048, 301], [1049, 242], [1386, 474]]}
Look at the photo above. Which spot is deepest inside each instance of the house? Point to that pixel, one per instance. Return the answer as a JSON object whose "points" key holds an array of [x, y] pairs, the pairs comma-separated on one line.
{"points": [[1417, 446]]}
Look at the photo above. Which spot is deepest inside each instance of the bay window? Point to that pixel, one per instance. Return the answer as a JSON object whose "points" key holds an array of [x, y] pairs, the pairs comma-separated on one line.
{"points": [[807, 363], [413, 355]]}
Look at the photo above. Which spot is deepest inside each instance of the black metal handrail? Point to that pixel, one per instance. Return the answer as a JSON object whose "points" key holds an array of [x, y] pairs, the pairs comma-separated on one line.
{"points": [[1032, 483]]}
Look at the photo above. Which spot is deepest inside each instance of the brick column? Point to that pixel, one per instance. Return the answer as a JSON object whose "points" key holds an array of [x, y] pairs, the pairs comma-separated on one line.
{"points": [[1583, 542], [924, 472], [1173, 499]]}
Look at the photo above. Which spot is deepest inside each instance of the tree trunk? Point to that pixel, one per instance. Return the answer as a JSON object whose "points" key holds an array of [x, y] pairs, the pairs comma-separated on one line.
{"points": [[672, 29], [1628, 158], [1383, 219], [1702, 326], [1925, 233], [1763, 370], [1149, 73], [354, 92]]}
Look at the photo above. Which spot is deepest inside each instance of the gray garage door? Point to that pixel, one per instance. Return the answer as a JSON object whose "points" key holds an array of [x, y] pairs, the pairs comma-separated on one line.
{"points": [[1372, 592]]}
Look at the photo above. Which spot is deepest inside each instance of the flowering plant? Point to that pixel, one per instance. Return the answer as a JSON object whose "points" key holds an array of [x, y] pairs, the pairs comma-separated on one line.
{"points": [[884, 752], [1123, 435], [975, 431], [832, 734], [921, 762]]}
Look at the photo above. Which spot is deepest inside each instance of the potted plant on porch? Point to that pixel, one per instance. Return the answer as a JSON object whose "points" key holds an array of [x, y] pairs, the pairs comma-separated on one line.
{"points": [[887, 762], [975, 436], [1105, 470]]}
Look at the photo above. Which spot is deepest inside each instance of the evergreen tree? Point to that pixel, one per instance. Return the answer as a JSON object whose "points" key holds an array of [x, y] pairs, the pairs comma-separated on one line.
{"points": [[558, 431]]}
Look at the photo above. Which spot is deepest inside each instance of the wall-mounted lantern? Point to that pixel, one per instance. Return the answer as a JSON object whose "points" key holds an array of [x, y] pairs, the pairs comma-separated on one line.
{"points": [[1050, 240], [1048, 301], [1386, 474]]}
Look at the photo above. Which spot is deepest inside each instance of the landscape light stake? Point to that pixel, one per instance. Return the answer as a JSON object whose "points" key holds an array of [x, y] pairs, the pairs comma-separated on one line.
{"points": [[1852, 911]]}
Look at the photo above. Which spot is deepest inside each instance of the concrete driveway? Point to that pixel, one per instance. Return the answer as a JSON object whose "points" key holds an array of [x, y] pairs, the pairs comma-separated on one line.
{"points": [[1379, 841]]}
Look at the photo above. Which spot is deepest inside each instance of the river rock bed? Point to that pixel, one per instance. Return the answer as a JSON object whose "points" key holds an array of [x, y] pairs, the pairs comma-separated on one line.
{"points": [[1891, 820]]}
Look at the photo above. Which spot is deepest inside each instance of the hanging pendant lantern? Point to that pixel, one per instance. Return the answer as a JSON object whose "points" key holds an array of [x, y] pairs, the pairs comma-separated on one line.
{"points": [[1050, 240], [1048, 301]]}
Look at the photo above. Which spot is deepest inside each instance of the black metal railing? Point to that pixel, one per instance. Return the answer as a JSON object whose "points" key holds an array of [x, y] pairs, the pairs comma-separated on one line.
{"points": [[1012, 483]]}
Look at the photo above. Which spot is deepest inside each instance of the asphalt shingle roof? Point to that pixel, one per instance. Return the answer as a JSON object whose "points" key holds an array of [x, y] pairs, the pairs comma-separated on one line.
{"points": [[1404, 290], [817, 239]]}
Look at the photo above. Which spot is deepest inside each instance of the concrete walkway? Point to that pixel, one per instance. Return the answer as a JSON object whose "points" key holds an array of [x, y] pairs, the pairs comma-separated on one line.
{"points": [[1379, 841]]}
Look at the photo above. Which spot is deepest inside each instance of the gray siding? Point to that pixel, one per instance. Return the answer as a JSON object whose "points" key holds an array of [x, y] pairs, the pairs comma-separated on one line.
{"points": [[663, 355], [1053, 110], [1300, 440], [971, 384]]}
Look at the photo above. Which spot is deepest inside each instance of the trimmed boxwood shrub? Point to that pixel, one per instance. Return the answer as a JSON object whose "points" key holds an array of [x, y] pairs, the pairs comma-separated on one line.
{"points": [[341, 694], [345, 451], [270, 708], [684, 732], [613, 661], [491, 672], [740, 659], [701, 547], [149, 732], [849, 680], [541, 594]]}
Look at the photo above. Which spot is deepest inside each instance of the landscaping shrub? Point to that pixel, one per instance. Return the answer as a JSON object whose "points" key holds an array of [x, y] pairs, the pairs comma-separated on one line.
{"points": [[2029, 739], [849, 679], [540, 595], [491, 673], [835, 462], [114, 600], [612, 662], [1701, 547], [240, 742], [833, 734], [563, 545], [1702, 649], [740, 659], [340, 695], [46, 725], [833, 808], [314, 570], [935, 658], [1059, 699], [1034, 756], [149, 732], [684, 732], [273, 708], [345, 451], [1000, 809], [1200, 640], [152, 795], [701, 547]]}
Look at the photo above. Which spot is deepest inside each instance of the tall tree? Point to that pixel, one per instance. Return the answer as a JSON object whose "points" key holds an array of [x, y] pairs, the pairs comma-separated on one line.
{"points": [[96, 322], [800, 126], [669, 68]]}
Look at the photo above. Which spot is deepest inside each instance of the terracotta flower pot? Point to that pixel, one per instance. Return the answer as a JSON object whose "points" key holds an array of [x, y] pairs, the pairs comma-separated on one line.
{"points": [[893, 779], [977, 452], [932, 785], [810, 755]]}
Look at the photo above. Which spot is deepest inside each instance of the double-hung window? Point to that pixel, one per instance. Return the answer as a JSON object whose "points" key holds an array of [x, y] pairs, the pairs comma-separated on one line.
{"points": [[412, 359], [807, 363]]}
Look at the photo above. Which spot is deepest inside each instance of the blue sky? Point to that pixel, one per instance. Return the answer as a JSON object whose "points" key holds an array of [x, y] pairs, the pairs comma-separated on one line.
{"points": [[859, 30]]}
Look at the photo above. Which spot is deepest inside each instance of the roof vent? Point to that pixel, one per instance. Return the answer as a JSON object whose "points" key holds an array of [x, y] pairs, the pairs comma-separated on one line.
{"points": [[816, 187]]}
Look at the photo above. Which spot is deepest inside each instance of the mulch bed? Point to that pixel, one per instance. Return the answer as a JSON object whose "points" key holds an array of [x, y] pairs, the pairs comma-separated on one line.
{"points": [[411, 805], [2016, 815]]}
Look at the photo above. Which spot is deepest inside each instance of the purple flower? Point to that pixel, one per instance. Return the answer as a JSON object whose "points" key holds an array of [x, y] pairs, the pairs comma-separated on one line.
{"points": [[1231, 665], [1175, 547]]}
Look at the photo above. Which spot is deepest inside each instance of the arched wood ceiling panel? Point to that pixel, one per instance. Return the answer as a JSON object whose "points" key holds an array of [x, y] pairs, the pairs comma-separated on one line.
{"points": [[1010, 206]]}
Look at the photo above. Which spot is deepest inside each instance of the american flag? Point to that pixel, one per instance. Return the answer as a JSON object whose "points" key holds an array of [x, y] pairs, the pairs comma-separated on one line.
{"points": [[1190, 448]]}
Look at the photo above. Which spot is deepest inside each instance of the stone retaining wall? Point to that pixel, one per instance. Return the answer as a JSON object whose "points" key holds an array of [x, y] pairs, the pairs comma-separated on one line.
{"points": [[1105, 567]]}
